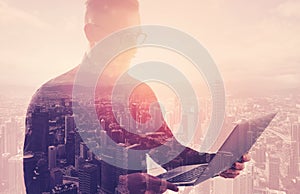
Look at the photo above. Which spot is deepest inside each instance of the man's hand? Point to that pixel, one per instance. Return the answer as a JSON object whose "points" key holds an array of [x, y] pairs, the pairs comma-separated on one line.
{"points": [[235, 170], [142, 183]]}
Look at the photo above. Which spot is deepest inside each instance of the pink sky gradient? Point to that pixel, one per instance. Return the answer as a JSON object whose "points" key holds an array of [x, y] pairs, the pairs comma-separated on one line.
{"points": [[251, 41]]}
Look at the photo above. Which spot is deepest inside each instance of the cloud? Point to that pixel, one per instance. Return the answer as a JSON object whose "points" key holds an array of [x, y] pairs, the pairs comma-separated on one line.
{"points": [[10, 14], [289, 9]]}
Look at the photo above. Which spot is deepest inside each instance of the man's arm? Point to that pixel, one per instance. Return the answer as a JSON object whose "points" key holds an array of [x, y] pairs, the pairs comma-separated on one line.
{"points": [[171, 155], [189, 156]]}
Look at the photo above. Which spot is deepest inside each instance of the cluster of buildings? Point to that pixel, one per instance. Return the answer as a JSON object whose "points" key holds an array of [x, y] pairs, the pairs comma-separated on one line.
{"points": [[63, 163]]}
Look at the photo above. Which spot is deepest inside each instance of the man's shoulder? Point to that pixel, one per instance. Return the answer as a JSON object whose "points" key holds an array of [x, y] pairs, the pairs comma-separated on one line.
{"points": [[57, 88], [63, 79]]}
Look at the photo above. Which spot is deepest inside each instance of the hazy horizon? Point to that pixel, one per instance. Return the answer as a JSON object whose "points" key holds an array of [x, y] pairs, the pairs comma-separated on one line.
{"points": [[254, 44]]}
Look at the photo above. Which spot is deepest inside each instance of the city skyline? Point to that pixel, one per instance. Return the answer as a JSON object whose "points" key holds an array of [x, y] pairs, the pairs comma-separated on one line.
{"points": [[56, 140], [276, 140]]}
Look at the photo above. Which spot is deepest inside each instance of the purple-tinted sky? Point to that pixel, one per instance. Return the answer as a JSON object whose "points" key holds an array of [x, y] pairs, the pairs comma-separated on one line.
{"points": [[255, 43]]}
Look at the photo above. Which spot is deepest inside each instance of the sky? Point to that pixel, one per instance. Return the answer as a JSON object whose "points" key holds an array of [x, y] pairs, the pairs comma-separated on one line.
{"points": [[256, 44]]}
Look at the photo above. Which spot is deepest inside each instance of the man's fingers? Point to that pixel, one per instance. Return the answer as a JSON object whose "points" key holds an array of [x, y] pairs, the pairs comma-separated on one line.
{"points": [[232, 171], [238, 166], [165, 185], [246, 158], [229, 175], [159, 185], [171, 186]]}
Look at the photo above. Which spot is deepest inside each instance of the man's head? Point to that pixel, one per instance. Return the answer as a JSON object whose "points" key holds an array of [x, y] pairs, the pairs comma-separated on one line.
{"points": [[104, 17]]}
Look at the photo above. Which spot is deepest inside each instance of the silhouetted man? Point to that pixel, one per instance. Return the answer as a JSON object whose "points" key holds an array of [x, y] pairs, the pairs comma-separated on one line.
{"points": [[50, 123]]}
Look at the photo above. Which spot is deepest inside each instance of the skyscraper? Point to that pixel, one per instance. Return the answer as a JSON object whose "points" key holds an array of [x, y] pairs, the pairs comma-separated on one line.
{"points": [[51, 157], [294, 157], [295, 132], [71, 148], [10, 136], [61, 151], [15, 174], [88, 179], [103, 138], [274, 173], [69, 125], [40, 130], [83, 150]]}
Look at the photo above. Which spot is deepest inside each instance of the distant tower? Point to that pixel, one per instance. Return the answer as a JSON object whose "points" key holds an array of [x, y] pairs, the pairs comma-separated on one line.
{"points": [[51, 157], [294, 154], [295, 136], [103, 138], [83, 150], [71, 148], [88, 178], [69, 126], [295, 132], [134, 112], [156, 116], [102, 123], [15, 173], [61, 151], [10, 136], [274, 173], [77, 142]]}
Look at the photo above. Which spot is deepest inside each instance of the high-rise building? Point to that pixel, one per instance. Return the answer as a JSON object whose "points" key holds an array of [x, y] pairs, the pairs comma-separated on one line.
{"points": [[71, 148], [274, 173], [295, 136], [295, 132], [4, 163], [52, 138], [294, 158], [61, 151], [15, 175], [103, 138], [102, 123], [156, 116], [40, 130], [51, 157], [77, 143], [69, 126], [10, 136], [88, 179], [83, 150], [134, 111], [259, 154]]}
